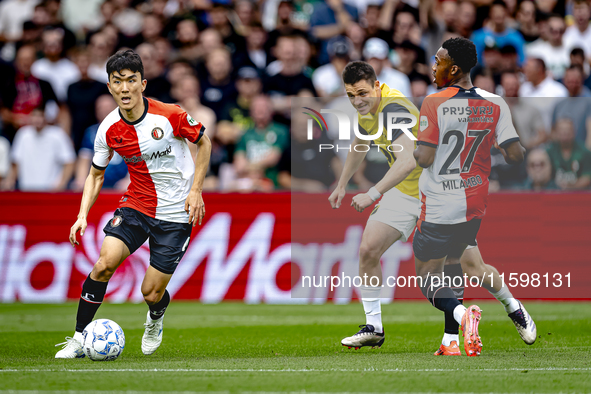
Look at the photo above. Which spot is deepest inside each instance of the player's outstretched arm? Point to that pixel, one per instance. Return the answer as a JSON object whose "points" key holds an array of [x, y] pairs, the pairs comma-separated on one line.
{"points": [[513, 153], [425, 155], [404, 164], [352, 163], [194, 205], [92, 188]]}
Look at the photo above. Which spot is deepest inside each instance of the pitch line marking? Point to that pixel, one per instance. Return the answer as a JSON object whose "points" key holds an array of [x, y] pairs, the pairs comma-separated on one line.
{"points": [[217, 392], [221, 392], [299, 370]]}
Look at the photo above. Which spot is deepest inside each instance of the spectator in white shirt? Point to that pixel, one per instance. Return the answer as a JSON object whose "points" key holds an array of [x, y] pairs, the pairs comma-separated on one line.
{"points": [[54, 68], [327, 79], [42, 157], [579, 34], [540, 84], [376, 53], [13, 13], [554, 53], [527, 119], [100, 50]]}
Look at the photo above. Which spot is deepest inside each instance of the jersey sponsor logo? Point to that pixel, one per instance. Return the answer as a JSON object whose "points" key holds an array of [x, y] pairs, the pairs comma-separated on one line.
{"points": [[157, 133], [456, 184], [468, 111], [116, 221], [145, 156], [479, 119], [424, 123], [118, 140], [191, 121]]}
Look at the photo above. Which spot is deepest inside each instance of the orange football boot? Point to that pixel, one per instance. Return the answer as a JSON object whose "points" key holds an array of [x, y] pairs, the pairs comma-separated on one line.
{"points": [[470, 321], [452, 350]]}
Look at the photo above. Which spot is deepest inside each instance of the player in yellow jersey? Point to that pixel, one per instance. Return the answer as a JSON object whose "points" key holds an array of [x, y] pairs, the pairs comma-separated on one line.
{"points": [[396, 216]]}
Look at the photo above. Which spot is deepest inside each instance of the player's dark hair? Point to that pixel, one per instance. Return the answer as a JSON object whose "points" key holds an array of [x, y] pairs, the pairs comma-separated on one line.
{"points": [[556, 16], [499, 2], [541, 62], [514, 73], [577, 52], [462, 51], [359, 71], [508, 50], [125, 59], [541, 16], [578, 68], [256, 25]]}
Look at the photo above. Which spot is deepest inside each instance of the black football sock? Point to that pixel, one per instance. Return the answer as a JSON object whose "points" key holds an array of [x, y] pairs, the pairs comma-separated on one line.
{"points": [[454, 272], [158, 309], [92, 296], [440, 296]]}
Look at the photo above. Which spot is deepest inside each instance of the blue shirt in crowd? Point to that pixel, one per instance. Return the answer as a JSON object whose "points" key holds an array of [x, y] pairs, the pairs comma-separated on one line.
{"points": [[484, 36]]}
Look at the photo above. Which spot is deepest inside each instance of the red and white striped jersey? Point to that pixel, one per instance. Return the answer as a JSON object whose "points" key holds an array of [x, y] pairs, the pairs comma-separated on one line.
{"points": [[158, 158], [463, 125]]}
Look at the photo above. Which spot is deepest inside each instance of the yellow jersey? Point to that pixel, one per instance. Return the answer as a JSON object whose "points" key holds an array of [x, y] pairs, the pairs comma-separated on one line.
{"points": [[392, 101]]}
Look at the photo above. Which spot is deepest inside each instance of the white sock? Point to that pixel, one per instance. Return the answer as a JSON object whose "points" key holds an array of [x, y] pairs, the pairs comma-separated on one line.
{"points": [[459, 313], [78, 336], [370, 296], [506, 298], [447, 338]]}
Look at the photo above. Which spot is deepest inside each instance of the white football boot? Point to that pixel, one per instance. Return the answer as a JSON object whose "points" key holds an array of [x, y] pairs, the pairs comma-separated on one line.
{"points": [[71, 349], [524, 324], [152, 335], [367, 336]]}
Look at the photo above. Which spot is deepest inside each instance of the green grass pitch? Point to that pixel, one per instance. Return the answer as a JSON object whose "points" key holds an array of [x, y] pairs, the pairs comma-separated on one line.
{"points": [[234, 347]]}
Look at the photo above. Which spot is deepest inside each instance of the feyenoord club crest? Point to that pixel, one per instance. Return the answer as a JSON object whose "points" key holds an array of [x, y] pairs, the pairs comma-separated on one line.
{"points": [[117, 220], [157, 133]]}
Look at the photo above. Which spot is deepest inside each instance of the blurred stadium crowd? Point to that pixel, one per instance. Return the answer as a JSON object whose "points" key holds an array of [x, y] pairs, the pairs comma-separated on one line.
{"points": [[234, 65]]}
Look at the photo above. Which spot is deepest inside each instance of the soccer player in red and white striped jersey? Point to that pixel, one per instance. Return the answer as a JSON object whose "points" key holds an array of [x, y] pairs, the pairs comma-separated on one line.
{"points": [[163, 201], [457, 128]]}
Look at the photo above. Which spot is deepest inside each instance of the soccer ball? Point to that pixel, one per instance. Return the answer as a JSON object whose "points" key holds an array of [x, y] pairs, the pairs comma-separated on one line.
{"points": [[103, 340]]}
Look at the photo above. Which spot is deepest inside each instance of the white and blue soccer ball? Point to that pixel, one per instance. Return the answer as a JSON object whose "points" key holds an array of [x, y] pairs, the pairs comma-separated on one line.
{"points": [[103, 340]]}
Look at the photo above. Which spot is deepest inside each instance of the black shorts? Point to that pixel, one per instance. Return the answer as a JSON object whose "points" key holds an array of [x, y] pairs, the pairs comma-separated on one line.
{"points": [[435, 241], [168, 240]]}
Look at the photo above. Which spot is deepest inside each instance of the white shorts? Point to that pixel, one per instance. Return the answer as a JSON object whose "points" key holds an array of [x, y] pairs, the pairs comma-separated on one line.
{"points": [[397, 210]]}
